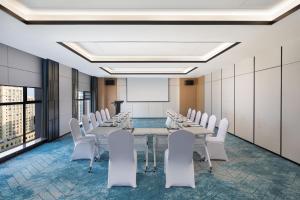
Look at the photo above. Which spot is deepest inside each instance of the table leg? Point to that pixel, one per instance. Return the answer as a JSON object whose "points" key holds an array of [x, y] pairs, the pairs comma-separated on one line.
{"points": [[146, 168], [208, 158], [154, 153]]}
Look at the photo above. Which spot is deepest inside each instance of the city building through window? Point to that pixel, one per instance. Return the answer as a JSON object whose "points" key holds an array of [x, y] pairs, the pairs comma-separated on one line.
{"points": [[20, 115]]}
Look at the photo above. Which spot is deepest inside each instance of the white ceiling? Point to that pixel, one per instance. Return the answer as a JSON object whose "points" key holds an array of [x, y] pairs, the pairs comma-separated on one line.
{"points": [[41, 40], [153, 4]]}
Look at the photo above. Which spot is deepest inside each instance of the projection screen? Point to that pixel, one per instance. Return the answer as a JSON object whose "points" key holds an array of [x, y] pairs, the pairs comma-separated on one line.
{"points": [[147, 89]]}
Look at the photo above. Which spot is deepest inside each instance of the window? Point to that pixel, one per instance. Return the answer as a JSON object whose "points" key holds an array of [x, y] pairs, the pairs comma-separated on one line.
{"points": [[20, 115], [84, 103]]}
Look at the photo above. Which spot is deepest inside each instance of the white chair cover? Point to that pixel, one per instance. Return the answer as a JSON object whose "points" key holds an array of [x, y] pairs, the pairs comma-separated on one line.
{"points": [[86, 124], [84, 147], [215, 145], [204, 119], [168, 122], [107, 114], [179, 165], [198, 117], [188, 115], [103, 115], [141, 145], [94, 122], [122, 166], [98, 117], [193, 114], [212, 123], [87, 129]]}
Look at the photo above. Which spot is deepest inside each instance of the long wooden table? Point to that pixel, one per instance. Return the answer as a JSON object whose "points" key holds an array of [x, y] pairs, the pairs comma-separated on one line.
{"points": [[102, 132]]}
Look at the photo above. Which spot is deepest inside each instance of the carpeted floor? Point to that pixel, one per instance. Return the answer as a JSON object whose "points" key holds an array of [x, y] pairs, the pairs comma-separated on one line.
{"points": [[47, 173]]}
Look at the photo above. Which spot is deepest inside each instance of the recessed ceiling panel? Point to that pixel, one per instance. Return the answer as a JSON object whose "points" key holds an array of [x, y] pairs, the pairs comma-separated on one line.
{"points": [[148, 51], [148, 70], [150, 12], [146, 4], [154, 48]]}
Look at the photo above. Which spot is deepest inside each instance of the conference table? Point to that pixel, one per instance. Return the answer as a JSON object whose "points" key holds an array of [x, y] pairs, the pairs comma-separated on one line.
{"points": [[199, 132]]}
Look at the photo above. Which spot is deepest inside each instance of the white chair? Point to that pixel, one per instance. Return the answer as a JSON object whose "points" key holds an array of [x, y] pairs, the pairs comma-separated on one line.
{"points": [[212, 123], [84, 147], [204, 119], [193, 114], [215, 145], [122, 165], [168, 122], [86, 124], [94, 122], [179, 165], [198, 117], [87, 133], [107, 114], [103, 115], [99, 118], [188, 115], [141, 145]]}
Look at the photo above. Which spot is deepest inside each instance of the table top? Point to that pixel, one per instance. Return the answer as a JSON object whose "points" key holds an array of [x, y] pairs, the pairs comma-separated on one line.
{"points": [[100, 131], [103, 130]]}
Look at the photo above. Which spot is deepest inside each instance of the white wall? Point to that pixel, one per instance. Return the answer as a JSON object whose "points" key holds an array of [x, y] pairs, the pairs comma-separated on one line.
{"points": [[19, 68], [252, 101], [267, 109], [228, 96], [207, 94], [65, 98], [149, 109], [216, 95], [290, 101], [244, 92]]}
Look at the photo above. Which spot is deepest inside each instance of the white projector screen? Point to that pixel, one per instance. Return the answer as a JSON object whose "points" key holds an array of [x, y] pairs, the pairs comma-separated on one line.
{"points": [[147, 89]]}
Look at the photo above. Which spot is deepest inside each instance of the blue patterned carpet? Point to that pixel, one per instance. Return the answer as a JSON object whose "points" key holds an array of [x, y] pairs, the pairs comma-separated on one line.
{"points": [[47, 173]]}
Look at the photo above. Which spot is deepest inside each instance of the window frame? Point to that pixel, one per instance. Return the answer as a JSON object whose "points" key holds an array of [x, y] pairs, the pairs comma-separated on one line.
{"points": [[83, 99], [23, 103]]}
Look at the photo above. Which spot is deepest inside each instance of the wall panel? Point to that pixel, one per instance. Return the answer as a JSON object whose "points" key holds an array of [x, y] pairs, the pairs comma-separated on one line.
{"points": [[228, 102], [267, 109], [291, 111], [207, 94], [268, 59], [216, 100], [3, 55], [244, 67], [65, 98], [4, 75], [228, 72], [291, 52], [244, 106]]}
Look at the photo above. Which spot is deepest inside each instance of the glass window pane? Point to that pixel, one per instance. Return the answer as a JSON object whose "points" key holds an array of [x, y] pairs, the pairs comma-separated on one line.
{"points": [[30, 117], [86, 95], [80, 95], [11, 126], [34, 94], [80, 110], [87, 106], [33, 121], [11, 94]]}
